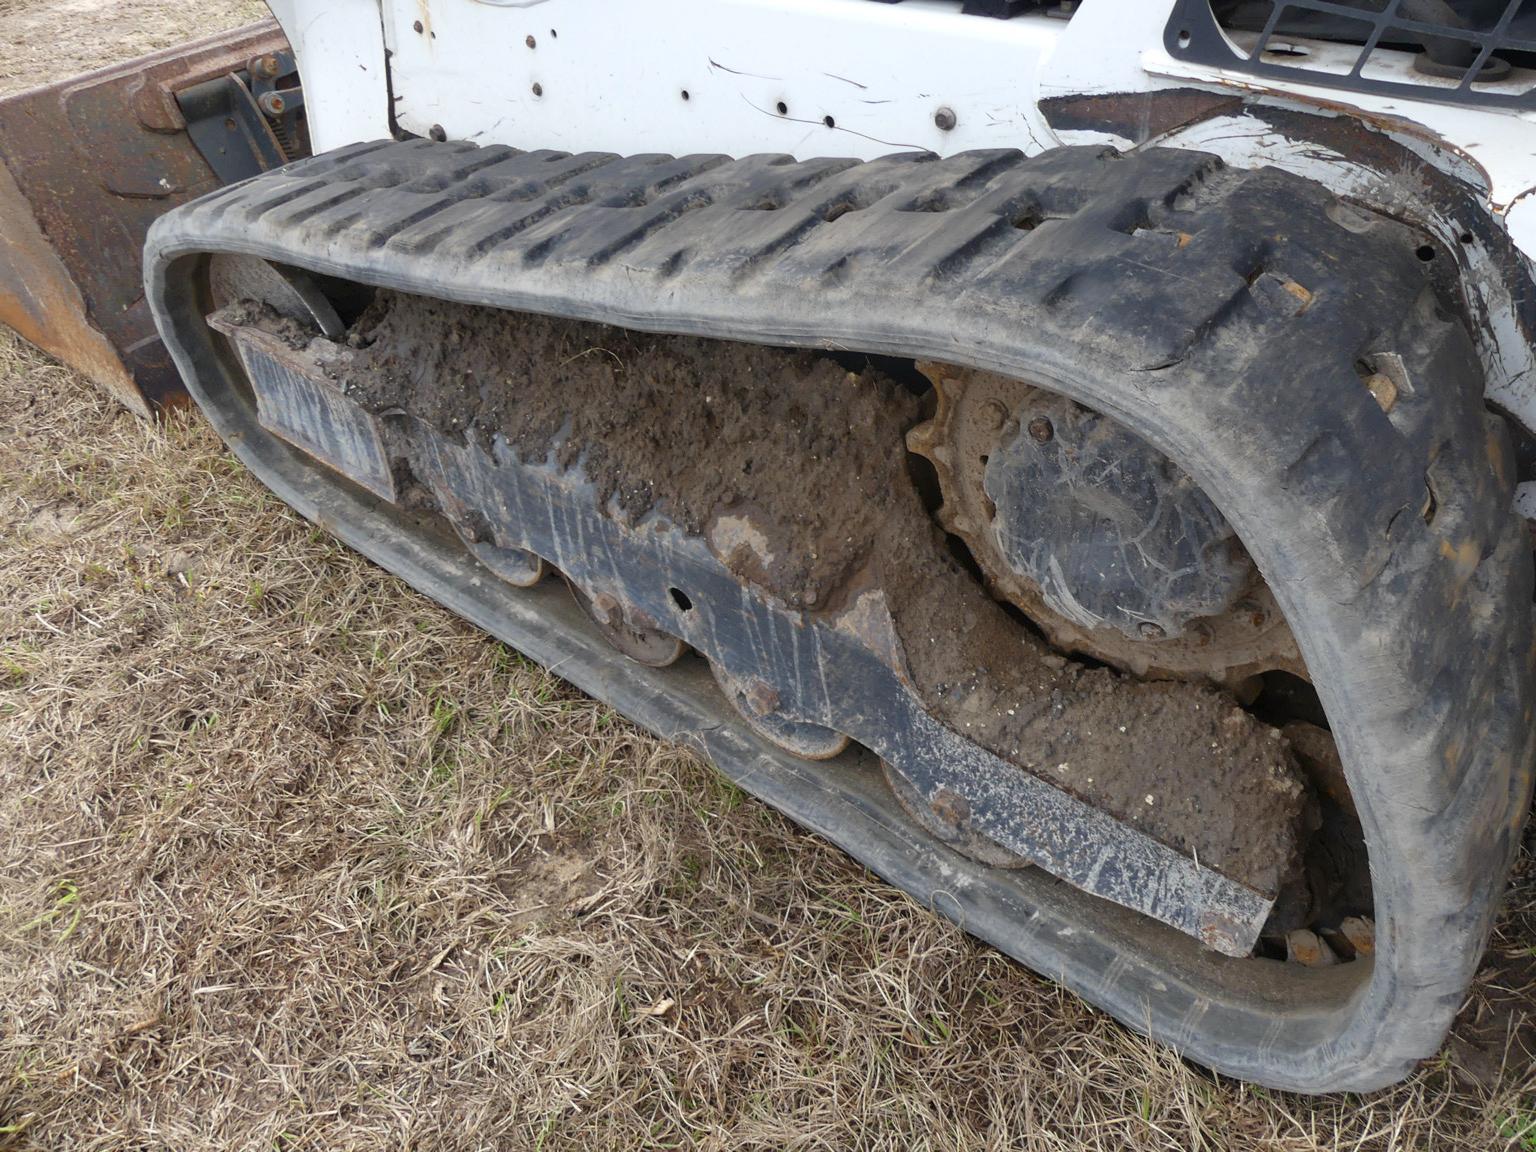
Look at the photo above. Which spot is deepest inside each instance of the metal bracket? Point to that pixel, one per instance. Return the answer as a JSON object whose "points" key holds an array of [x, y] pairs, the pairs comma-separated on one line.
{"points": [[249, 120]]}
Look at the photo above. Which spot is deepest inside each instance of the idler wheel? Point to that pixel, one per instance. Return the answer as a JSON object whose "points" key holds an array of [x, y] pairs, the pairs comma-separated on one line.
{"points": [[758, 705], [640, 642]]}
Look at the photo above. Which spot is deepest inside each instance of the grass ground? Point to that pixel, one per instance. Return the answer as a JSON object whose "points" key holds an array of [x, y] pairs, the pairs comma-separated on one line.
{"points": [[291, 858]]}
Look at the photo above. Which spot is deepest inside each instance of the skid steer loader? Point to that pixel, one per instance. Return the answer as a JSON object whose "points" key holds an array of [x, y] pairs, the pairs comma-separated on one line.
{"points": [[1074, 456]]}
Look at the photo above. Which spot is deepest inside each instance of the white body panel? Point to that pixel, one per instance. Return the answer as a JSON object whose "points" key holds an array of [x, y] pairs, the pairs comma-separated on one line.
{"points": [[611, 76], [339, 45]]}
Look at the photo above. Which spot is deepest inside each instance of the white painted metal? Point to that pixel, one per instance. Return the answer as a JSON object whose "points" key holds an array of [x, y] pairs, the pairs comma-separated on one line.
{"points": [[1499, 141], [339, 45], [1525, 499], [612, 76]]}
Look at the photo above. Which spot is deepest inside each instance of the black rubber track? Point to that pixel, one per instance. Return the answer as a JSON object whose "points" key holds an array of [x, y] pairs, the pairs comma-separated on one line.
{"points": [[1225, 316]]}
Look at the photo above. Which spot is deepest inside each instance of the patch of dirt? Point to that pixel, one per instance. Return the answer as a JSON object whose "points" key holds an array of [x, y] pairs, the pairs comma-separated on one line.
{"points": [[548, 880], [711, 433], [1497, 1026], [795, 469], [1182, 762], [43, 41]]}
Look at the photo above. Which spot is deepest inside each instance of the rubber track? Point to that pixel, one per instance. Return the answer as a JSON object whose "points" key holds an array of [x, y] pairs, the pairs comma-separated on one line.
{"points": [[1226, 316]]}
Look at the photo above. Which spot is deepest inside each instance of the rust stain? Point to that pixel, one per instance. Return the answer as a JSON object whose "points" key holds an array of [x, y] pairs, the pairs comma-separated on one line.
{"points": [[1383, 389], [1137, 116], [41, 302], [1464, 556], [1299, 292], [86, 166]]}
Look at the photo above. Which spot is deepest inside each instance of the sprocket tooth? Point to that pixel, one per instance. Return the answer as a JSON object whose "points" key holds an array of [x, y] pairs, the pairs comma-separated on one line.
{"points": [[954, 519], [920, 439], [939, 375], [946, 518]]}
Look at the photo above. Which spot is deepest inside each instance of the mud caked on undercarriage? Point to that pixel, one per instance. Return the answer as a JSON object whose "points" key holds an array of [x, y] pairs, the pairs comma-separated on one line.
{"points": [[957, 507]]}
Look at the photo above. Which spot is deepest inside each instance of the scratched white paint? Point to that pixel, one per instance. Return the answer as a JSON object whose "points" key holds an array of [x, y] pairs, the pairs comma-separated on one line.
{"points": [[612, 75], [339, 45]]}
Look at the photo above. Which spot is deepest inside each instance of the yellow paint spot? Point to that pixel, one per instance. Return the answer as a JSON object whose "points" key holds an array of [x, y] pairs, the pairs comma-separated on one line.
{"points": [[1299, 292], [1463, 555]]}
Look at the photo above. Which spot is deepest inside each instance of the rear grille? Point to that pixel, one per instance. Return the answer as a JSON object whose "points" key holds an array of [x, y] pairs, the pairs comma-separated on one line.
{"points": [[1475, 52]]}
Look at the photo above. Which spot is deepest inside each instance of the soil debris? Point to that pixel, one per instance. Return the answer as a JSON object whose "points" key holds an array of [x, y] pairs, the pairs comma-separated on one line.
{"points": [[1180, 761], [760, 444], [795, 469]]}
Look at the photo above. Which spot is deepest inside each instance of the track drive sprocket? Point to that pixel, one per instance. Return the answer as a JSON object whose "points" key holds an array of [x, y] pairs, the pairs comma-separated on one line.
{"points": [[1173, 593]]}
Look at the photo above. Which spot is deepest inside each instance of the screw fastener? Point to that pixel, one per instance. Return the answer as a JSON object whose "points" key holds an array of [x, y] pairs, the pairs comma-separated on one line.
{"points": [[761, 699]]}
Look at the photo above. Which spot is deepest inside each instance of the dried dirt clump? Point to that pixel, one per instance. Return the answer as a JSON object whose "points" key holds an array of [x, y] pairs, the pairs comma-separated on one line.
{"points": [[1180, 761], [810, 458], [806, 451]]}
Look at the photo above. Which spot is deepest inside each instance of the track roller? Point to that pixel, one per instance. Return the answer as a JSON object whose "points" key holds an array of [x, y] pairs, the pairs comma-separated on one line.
{"points": [[642, 643], [758, 704]]}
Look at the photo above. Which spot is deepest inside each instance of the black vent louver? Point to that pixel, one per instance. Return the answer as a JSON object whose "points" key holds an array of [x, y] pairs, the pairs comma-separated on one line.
{"points": [[1475, 52]]}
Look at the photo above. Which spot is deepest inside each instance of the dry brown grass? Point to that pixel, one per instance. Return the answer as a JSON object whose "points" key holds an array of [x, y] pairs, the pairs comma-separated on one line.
{"points": [[291, 858], [46, 40]]}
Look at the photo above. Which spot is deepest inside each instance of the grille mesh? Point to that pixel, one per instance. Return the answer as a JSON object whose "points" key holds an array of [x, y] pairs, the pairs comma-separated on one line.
{"points": [[1481, 53]]}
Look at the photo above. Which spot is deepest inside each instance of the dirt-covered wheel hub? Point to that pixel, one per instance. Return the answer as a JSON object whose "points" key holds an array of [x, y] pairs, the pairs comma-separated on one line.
{"points": [[1113, 534], [758, 704], [638, 639], [1104, 542]]}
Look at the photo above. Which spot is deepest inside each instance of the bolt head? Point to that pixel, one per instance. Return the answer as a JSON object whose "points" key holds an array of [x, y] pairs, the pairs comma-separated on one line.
{"points": [[945, 120], [531, 42], [1041, 430], [761, 698], [1151, 631], [950, 809], [438, 133]]}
